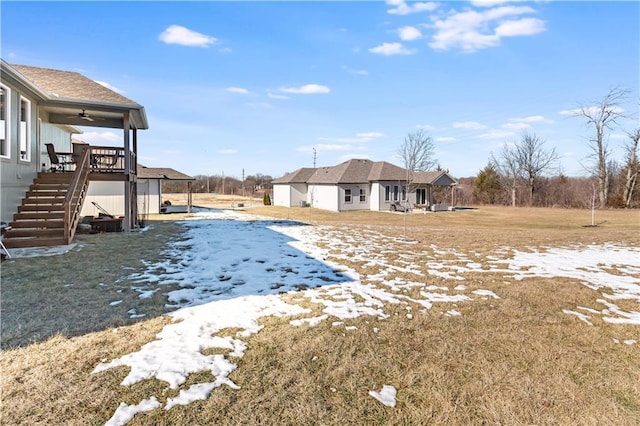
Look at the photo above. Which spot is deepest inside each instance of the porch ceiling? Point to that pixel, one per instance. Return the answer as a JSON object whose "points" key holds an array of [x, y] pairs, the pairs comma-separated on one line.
{"points": [[108, 116]]}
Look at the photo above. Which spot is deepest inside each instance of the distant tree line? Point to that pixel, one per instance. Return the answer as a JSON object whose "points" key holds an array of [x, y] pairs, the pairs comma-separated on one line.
{"points": [[490, 187], [252, 186], [523, 172]]}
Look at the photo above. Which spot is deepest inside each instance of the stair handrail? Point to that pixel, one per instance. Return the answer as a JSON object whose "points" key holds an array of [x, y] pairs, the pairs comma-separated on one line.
{"points": [[75, 195]]}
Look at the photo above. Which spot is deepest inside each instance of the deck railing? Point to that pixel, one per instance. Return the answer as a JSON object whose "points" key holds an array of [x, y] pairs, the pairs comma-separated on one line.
{"points": [[75, 195], [106, 159]]}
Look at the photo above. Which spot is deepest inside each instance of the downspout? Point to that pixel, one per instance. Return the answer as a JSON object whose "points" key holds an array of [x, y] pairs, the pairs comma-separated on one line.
{"points": [[127, 173]]}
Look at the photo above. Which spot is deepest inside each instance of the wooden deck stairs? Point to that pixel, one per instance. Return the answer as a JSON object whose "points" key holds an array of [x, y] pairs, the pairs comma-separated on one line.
{"points": [[50, 211]]}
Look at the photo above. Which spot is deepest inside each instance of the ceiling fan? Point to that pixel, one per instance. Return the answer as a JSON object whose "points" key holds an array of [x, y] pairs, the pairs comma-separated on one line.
{"points": [[85, 116]]}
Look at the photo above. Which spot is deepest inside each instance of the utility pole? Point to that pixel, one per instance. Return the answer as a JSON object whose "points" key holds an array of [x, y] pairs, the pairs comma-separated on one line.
{"points": [[315, 154], [223, 182], [243, 182]]}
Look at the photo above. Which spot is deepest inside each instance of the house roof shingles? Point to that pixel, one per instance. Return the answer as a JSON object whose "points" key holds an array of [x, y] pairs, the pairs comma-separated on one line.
{"points": [[297, 176], [161, 173], [360, 171], [71, 85]]}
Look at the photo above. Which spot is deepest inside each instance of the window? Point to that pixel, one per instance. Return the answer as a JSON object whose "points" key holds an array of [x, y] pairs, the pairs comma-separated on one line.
{"points": [[4, 121], [404, 193], [363, 195], [387, 193], [421, 196], [347, 195], [24, 131], [396, 193]]}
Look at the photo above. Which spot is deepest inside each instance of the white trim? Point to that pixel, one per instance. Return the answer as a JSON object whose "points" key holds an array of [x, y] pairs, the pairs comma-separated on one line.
{"points": [[6, 123], [24, 131]]}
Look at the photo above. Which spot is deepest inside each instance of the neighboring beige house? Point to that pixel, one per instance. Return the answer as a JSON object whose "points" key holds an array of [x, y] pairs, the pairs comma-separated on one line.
{"points": [[357, 185]]}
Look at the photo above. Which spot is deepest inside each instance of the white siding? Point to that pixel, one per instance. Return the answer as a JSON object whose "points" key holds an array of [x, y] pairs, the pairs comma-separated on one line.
{"points": [[324, 197], [289, 195], [355, 203], [298, 194], [16, 176], [149, 196], [281, 195], [109, 195], [377, 196], [61, 140]]}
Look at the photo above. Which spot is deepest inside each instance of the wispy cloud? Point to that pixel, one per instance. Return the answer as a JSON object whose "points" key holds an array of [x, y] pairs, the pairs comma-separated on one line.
{"points": [[353, 155], [239, 90], [333, 147], [497, 134], [227, 151], [389, 49], [472, 30], [355, 72], [520, 27], [445, 139], [590, 110], [516, 126], [490, 3], [259, 105], [618, 136], [97, 138], [369, 136], [409, 33], [401, 7], [531, 119], [275, 96], [307, 89], [110, 87], [471, 125], [176, 34], [359, 138], [425, 127]]}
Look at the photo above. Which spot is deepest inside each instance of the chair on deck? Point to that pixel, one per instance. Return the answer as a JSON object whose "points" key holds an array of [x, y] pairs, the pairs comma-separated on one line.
{"points": [[104, 161], [59, 160]]}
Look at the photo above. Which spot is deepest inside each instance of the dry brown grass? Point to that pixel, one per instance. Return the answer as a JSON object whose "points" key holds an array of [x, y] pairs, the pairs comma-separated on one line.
{"points": [[517, 360], [71, 294]]}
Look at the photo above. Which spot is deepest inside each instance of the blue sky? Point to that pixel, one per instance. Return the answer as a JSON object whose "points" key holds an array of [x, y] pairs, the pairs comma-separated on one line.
{"points": [[257, 86]]}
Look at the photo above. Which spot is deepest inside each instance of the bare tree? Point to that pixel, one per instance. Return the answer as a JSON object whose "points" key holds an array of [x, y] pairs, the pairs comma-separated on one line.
{"points": [[417, 154], [604, 117], [509, 171], [632, 168], [533, 160]]}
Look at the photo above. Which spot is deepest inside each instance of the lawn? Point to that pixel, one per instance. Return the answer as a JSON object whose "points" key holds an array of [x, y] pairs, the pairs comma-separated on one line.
{"points": [[300, 316]]}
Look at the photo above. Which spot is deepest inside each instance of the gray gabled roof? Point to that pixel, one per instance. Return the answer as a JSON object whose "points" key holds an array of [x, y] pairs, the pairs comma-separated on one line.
{"points": [[438, 177], [71, 85], [297, 176], [67, 94], [363, 171], [352, 171], [383, 171], [164, 173]]}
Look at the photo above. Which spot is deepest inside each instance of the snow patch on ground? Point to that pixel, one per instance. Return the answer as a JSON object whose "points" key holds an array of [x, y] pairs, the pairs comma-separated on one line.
{"points": [[386, 396], [232, 269]]}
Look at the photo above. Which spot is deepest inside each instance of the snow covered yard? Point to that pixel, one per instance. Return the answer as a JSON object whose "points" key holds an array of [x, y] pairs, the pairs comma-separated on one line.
{"points": [[282, 314]]}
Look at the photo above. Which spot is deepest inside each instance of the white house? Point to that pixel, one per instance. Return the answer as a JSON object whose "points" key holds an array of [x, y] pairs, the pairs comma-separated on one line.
{"points": [[358, 184], [40, 106]]}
